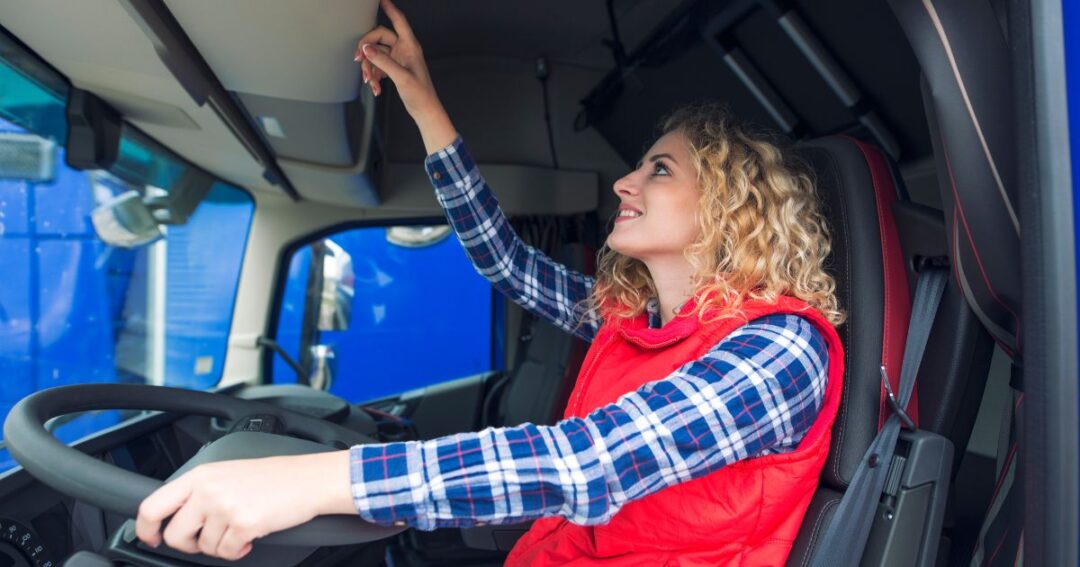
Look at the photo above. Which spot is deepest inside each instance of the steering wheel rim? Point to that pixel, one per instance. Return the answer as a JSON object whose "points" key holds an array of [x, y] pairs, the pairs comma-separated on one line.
{"points": [[112, 488]]}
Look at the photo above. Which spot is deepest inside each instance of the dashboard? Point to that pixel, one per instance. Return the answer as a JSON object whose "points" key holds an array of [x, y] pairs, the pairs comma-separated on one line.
{"points": [[40, 527], [20, 546]]}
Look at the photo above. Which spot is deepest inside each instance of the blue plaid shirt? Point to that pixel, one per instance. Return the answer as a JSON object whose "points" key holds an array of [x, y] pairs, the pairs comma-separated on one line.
{"points": [[755, 392]]}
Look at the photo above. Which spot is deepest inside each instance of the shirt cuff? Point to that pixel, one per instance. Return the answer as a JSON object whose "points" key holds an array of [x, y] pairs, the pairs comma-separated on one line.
{"points": [[451, 170], [388, 485]]}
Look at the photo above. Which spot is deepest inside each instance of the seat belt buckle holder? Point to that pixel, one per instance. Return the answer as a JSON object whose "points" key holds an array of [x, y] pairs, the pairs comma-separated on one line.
{"points": [[894, 404]]}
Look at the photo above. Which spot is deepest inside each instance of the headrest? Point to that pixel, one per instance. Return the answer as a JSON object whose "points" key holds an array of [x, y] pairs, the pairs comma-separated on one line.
{"points": [[967, 92], [872, 287]]}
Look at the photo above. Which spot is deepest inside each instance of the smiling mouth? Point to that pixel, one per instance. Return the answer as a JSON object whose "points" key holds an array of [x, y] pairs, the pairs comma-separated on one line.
{"points": [[627, 214]]}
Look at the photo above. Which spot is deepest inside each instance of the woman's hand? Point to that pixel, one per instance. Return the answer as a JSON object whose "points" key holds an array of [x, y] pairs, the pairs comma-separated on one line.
{"points": [[218, 509], [396, 54]]}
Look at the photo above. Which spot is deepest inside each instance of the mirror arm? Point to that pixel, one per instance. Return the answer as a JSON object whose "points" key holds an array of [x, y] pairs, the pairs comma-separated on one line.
{"points": [[301, 376]]}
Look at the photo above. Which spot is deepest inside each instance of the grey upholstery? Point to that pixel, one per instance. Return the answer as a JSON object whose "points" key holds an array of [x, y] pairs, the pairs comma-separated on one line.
{"points": [[539, 380]]}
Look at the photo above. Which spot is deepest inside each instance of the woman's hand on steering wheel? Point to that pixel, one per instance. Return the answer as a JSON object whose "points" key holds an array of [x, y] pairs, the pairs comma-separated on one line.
{"points": [[219, 509]]}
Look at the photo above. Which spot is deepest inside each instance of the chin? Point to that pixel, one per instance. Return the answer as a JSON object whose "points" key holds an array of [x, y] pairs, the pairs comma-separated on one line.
{"points": [[625, 248]]}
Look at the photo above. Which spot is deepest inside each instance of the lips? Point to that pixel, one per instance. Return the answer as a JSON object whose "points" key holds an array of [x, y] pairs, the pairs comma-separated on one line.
{"points": [[626, 213]]}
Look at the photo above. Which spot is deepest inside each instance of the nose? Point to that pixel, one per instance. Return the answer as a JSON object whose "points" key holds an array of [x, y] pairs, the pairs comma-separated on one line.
{"points": [[626, 185]]}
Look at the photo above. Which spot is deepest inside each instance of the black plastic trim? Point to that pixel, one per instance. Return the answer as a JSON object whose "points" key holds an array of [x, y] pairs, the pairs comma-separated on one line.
{"points": [[1049, 282], [21, 56]]}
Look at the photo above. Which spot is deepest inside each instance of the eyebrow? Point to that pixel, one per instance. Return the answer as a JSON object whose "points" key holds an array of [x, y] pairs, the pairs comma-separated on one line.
{"points": [[657, 157]]}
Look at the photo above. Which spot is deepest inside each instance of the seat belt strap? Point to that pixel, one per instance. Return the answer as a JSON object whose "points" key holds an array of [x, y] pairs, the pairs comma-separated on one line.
{"points": [[845, 538]]}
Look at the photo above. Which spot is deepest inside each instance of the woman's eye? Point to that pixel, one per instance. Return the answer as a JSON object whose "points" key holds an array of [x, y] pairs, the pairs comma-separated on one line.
{"points": [[660, 169]]}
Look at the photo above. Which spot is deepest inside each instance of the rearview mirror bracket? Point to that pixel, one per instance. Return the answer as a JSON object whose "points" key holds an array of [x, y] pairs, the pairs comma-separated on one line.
{"points": [[93, 134]]}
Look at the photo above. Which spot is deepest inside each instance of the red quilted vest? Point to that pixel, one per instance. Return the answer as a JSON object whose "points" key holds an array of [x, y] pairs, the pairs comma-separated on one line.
{"points": [[747, 513]]}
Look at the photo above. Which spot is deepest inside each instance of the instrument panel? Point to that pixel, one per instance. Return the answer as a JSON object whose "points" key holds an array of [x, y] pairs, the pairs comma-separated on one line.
{"points": [[20, 546]]}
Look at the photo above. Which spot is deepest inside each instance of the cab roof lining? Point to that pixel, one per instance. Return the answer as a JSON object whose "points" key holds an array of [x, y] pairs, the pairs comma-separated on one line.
{"points": [[285, 60]]}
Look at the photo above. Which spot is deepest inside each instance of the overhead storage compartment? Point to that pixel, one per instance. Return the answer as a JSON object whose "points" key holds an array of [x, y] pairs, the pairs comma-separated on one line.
{"points": [[312, 110]]}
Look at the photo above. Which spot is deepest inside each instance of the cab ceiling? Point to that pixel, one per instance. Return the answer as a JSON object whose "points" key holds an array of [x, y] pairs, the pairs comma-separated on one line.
{"points": [[292, 61]]}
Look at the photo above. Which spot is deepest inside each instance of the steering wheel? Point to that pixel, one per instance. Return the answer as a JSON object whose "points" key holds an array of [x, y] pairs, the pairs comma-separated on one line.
{"points": [[112, 488]]}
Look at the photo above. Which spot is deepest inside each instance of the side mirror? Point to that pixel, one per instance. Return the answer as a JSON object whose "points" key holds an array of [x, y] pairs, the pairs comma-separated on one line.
{"points": [[337, 286], [417, 236]]}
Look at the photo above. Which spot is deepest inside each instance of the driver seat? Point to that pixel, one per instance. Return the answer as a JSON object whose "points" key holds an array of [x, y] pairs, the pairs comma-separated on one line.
{"points": [[878, 237]]}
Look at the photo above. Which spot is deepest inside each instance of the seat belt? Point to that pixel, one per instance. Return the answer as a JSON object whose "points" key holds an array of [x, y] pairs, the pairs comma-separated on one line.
{"points": [[845, 538]]}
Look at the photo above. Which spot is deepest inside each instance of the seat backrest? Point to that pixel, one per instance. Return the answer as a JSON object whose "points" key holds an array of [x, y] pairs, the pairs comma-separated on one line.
{"points": [[866, 259], [963, 51], [539, 380], [967, 92], [876, 235]]}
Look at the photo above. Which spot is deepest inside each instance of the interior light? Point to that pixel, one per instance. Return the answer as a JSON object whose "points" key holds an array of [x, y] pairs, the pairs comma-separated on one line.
{"points": [[271, 126]]}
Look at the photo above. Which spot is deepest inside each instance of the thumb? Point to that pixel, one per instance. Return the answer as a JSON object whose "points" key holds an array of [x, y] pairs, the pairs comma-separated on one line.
{"points": [[384, 62]]}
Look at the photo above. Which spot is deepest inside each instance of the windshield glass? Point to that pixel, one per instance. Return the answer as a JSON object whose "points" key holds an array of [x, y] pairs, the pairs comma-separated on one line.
{"points": [[76, 310]]}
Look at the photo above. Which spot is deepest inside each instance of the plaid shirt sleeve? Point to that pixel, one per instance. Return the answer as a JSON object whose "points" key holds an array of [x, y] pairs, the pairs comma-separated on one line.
{"points": [[756, 392], [528, 277]]}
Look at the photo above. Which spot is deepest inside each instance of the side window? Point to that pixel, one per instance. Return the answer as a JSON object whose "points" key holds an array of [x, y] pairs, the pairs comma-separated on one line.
{"points": [[417, 313]]}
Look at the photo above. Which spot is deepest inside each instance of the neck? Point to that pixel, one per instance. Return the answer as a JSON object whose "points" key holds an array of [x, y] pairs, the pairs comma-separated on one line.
{"points": [[673, 279]]}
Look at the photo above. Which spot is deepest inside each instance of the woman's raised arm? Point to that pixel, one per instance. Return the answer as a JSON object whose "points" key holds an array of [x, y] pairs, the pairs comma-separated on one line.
{"points": [[531, 279], [395, 53]]}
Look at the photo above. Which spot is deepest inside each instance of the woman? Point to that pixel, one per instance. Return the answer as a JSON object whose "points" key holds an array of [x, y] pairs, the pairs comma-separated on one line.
{"points": [[700, 420]]}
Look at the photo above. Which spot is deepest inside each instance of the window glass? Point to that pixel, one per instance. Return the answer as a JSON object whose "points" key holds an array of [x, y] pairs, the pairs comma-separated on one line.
{"points": [[76, 310], [420, 314]]}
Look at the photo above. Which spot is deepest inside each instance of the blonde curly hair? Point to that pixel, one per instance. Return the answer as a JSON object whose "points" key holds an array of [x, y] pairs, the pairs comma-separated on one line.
{"points": [[762, 232]]}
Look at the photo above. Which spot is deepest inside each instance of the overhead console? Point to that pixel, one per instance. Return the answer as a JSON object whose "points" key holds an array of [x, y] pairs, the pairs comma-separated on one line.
{"points": [[301, 90], [262, 93], [184, 61]]}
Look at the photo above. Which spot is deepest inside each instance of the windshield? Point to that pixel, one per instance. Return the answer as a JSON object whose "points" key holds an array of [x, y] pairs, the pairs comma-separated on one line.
{"points": [[76, 310]]}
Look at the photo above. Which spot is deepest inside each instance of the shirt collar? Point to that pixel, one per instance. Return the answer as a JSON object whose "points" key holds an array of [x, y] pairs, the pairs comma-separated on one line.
{"points": [[652, 311]]}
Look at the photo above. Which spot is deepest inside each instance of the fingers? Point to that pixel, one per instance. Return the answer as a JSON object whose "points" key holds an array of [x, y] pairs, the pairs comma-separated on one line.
{"points": [[183, 528], [401, 25], [163, 503], [370, 73], [210, 535], [365, 70], [376, 75], [384, 63], [378, 35], [234, 544]]}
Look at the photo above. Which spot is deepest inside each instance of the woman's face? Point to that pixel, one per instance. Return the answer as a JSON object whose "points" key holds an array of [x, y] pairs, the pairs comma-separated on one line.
{"points": [[656, 218]]}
